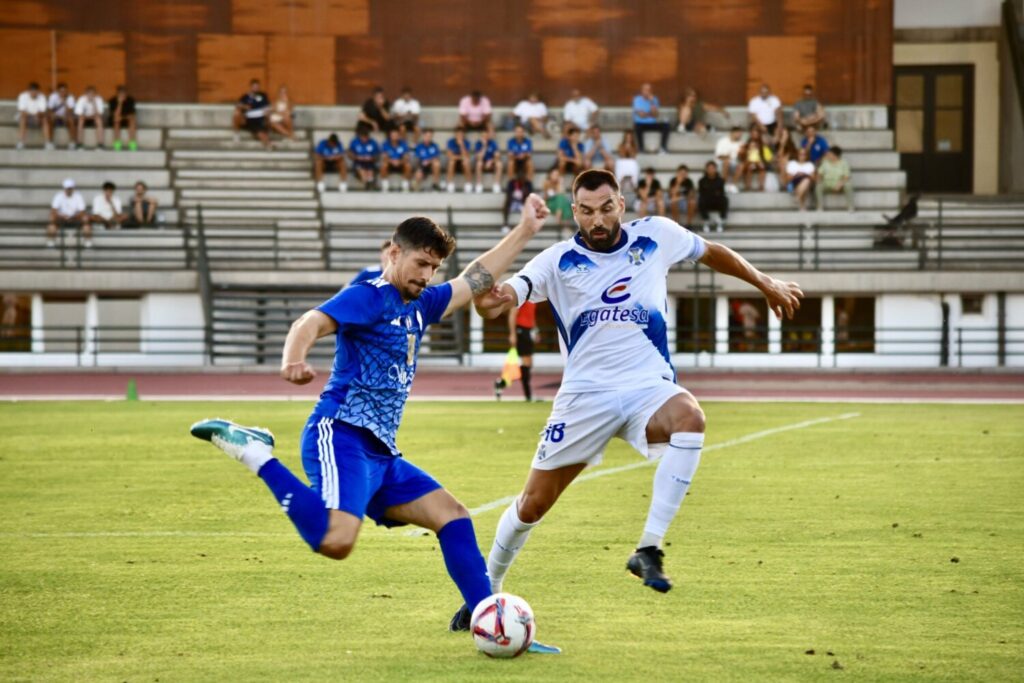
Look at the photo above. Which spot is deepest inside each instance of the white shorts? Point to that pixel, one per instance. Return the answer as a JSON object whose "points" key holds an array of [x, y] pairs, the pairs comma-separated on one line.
{"points": [[582, 424]]}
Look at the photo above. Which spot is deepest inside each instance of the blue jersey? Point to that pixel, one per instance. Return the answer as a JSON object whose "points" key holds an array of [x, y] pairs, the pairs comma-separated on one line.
{"points": [[377, 343], [566, 146], [425, 152], [324, 148], [489, 151], [524, 146], [455, 148], [396, 152], [363, 148]]}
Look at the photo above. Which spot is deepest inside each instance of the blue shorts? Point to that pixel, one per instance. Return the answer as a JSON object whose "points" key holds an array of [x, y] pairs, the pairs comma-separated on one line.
{"points": [[354, 472]]}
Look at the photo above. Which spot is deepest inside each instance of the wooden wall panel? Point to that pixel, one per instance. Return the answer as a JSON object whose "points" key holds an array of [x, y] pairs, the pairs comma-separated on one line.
{"points": [[785, 63], [25, 57], [186, 16], [573, 16], [85, 59], [812, 17], [709, 17], [226, 64], [34, 13], [509, 70], [360, 66], [568, 61], [309, 17], [716, 66], [648, 60], [162, 67], [303, 63]]}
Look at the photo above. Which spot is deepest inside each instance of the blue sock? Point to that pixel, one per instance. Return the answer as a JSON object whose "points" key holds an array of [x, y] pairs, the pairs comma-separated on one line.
{"points": [[465, 564], [302, 505]]}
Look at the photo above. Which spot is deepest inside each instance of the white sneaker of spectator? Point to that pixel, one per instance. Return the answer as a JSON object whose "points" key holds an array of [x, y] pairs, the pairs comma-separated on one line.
{"points": [[405, 186], [320, 187], [467, 188], [495, 188], [732, 189], [20, 145], [342, 187], [87, 244], [385, 185], [48, 146], [479, 188], [451, 187]]}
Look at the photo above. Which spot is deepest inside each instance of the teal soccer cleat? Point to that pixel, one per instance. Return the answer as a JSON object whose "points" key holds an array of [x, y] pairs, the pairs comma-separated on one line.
{"points": [[542, 649], [231, 438]]}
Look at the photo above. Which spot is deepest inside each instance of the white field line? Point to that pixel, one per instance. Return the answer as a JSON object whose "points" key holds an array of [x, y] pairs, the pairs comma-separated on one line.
{"points": [[486, 507], [739, 398]]}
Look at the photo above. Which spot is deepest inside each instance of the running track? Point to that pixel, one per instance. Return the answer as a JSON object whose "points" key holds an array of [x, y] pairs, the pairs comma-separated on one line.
{"points": [[904, 386]]}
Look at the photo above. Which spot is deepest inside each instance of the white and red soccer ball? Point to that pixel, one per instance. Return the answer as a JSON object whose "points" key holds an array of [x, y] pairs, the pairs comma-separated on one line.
{"points": [[502, 625]]}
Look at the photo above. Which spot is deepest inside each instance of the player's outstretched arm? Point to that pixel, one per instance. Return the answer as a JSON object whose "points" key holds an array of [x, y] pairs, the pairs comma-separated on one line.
{"points": [[301, 336], [783, 297], [479, 276]]}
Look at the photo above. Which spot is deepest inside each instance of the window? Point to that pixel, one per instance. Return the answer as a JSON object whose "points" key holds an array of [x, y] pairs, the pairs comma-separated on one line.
{"points": [[695, 324], [748, 326], [972, 304], [854, 323], [802, 334]]}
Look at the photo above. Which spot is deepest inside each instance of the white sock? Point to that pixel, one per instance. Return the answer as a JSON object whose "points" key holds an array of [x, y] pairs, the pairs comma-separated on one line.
{"points": [[256, 454], [671, 481], [509, 539]]}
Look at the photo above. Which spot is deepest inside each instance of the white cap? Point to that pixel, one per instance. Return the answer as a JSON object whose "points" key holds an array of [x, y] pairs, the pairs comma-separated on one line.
{"points": [[69, 183]]}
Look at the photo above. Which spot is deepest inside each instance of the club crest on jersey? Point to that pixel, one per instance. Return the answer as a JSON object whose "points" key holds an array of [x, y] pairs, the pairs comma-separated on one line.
{"points": [[636, 256], [617, 292]]}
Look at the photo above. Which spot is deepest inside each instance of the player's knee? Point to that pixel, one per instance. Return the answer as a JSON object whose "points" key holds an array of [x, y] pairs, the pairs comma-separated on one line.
{"points": [[690, 420], [531, 509], [336, 549]]}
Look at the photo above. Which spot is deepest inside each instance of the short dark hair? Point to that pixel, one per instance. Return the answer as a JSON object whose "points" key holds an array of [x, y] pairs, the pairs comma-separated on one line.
{"points": [[808, 86], [594, 179], [62, 84], [710, 163], [682, 167], [109, 186], [333, 137], [735, 128], [33, 86], [407, 89], [386, 244], [572, 131], [428, 130], [143, 183], [837, 150], [649, 169], [377, 89], [419, 232], [255, 80]]}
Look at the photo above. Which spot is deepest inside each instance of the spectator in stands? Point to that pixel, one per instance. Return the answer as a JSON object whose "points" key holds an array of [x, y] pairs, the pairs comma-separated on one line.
{"points": [[487, 159], [396, 159], [816, 145], [682, 195], [405, 112], [569, 155], [727, 151], [711, 197], [765, 110], [106, 208], [520, 154], [833, 176], [650, 199], [785, 148], [579, 111], [646, 109], [557, 200], [142, 208], [364, 153], [808, 111], [756, 155], [89, 112], [121, 114], [61, 106], [627, 168], [475, 112], [329, 155], [460, 160], [67, 210], [428, 160], [251, 113], [32, 109], [693, 113], [533, 114], [376, 112], [282, 119], [516, 192], [595, 150], [799, 177]]}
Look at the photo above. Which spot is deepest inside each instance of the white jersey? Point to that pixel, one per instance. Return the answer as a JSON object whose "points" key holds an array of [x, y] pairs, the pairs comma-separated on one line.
{"points": [[610, 307]]}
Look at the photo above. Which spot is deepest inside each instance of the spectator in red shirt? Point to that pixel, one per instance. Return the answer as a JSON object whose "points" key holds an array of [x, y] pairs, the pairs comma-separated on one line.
{"points": [[521, 332]]}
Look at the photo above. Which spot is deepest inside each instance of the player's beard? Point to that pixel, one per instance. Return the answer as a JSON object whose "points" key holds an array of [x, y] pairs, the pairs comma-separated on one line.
{"points": [[606, 239]]}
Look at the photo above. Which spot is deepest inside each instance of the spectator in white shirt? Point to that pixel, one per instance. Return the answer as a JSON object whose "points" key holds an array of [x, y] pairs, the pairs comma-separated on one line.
{"points": [[61, 106], [405, 113], [799, 177], [579, 111], [765, 110], [533, 114], [106, 208], [727, 151], [32, 109], [67, 210], [89, 110]]}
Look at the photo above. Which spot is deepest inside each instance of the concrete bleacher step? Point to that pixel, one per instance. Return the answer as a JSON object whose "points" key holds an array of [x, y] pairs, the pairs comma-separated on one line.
{"points": [[253, 156], [40, 215], [240, 214], [215, 184], [147, 138], [304, 165], [234, 172], [251, 204], [215, 134], [83, 158], [40, 196], [245, 144], [260, 193], [52, 177]]}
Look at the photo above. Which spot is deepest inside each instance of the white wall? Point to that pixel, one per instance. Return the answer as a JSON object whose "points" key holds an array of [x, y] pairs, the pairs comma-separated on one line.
{"points": [[945, 13]]}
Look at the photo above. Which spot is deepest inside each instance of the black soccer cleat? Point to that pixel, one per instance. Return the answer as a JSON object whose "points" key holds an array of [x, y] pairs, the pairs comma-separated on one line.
{"points": [[499, 386], [460, 622], [645, 564]]}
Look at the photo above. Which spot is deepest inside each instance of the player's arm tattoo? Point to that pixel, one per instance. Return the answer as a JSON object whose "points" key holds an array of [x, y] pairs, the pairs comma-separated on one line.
{"points": [[478, 278]]}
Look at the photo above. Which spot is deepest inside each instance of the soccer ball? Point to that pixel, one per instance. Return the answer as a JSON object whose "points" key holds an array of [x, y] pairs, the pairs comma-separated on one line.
{"points": [[502, 625]]}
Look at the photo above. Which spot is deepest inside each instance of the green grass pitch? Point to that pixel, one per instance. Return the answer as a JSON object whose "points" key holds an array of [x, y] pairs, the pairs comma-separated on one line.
{"points": [[890, 544]]}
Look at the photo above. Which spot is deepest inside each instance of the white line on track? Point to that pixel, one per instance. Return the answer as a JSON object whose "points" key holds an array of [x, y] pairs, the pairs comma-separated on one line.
{"points": [[486, 507]]}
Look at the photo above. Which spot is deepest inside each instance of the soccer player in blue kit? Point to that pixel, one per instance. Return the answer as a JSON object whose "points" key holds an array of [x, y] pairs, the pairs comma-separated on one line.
{"points": [[348, 446]]}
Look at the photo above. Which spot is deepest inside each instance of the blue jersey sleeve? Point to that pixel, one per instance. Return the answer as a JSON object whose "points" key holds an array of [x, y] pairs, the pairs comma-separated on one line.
{"points": [[355, 305], [433, 301]]}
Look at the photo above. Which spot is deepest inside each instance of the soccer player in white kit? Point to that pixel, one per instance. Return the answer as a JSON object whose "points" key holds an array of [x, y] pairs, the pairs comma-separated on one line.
{"points": [[607, 288]]}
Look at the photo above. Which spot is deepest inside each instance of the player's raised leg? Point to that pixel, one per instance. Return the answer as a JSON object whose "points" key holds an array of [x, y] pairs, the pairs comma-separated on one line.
{"points": [[680, 423]]}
